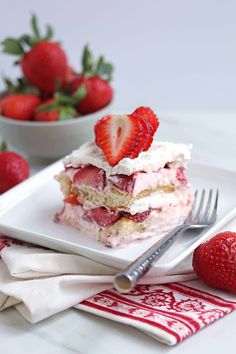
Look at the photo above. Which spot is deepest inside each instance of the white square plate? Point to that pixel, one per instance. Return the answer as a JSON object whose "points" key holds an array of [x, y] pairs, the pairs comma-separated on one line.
{"points": [[27, 211]]}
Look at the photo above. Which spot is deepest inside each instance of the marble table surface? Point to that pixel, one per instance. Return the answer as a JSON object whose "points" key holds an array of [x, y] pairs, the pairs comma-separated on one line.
{"points": [[213, 136]]}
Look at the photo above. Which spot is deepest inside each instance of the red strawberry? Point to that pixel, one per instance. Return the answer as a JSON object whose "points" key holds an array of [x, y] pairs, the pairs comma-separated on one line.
{"points": [[2, 100], [139, 217], [102, 216], [46, 115], [70, 74], [126, 136], [13, 170], [43, 62], [115, 135], [123, 182], [20, 106], [149, 134], [72, 199], [143, 140], [61, 107], [90, 176], [99, 93], [215, 261], [181, 176], [148, 114], [95, 77]]}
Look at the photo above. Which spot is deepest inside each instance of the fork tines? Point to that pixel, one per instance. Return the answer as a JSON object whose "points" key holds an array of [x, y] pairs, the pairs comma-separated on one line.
{"points": [[204, 210]]}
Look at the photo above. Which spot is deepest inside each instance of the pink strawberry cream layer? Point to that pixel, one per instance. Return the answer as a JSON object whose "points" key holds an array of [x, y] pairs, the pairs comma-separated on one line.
{"points": [[135, 199], [96, 178]]}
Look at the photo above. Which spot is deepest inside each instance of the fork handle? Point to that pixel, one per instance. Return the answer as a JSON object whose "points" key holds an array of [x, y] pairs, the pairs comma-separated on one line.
{"points": [[126, 280]]}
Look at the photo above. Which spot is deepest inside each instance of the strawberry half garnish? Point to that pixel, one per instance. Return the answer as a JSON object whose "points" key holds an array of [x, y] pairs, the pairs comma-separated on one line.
{"points": [[126, 136], [140, 140], [149, 133], [116, 134], [149, 116]]}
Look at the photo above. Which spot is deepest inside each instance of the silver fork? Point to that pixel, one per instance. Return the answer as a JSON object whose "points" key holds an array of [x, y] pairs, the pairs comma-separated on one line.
{"points": [[202, 215]]}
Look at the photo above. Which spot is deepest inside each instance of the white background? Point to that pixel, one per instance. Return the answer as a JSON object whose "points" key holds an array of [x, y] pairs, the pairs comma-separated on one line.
{"points": [[167, 53]]}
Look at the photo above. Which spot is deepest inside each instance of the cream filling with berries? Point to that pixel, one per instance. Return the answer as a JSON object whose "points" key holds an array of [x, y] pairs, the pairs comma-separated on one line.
{"points": [[149, 191], [125, 230]]}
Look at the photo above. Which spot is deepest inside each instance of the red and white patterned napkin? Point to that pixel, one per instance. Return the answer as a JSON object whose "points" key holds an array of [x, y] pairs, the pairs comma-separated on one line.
{"points": [[169, 313], [40, 282]]}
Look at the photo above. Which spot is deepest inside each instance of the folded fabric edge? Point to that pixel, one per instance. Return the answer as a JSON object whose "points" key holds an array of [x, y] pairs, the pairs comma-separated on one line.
{"points": [[159, 334]]}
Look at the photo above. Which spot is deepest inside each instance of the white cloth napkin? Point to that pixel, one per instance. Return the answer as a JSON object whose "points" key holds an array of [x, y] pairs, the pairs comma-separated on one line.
{"points": [[41, 282]]}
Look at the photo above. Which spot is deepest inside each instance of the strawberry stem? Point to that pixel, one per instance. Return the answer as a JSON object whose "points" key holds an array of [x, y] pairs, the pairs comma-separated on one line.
{"points": [[90, 67], [20, 86], [49, 32], [65, 103], [79, 94], [3, 147], [67, 113], [18, 46], [47, 107], [87, 61], [12, 46], [35, 28]]}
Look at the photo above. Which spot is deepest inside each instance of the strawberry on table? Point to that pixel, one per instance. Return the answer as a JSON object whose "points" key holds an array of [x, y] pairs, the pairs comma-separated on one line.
{"points": [[95, 76], [13, 169], [215, 261], [42, 61], [20, 107]]}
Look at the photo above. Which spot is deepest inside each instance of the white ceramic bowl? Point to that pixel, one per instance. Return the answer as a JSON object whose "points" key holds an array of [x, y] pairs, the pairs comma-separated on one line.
{"points": [[50, 140]]}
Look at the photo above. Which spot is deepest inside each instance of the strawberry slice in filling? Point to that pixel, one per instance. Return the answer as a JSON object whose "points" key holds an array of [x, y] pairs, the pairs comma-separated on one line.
{"points": [[105, 218], [180, 175], [90, 176], [72, 199], [123, 182], [101, 216]]}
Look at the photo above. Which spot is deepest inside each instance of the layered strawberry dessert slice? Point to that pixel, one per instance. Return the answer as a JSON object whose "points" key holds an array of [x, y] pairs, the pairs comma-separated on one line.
{"points": [[125, 186]]}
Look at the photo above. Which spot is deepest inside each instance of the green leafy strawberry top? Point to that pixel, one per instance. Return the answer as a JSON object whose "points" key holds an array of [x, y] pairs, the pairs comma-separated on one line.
{"points": [[64, 103], [18, 46], [92, 67], [3, 146], [20, 86]]}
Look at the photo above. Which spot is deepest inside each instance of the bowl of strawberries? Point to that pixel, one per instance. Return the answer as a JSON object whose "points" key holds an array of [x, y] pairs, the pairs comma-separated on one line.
{"points": [[51, 109]]}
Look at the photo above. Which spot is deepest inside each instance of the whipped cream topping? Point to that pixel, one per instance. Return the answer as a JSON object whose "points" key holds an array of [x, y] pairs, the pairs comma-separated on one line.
{"points": [[152, 160]]}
